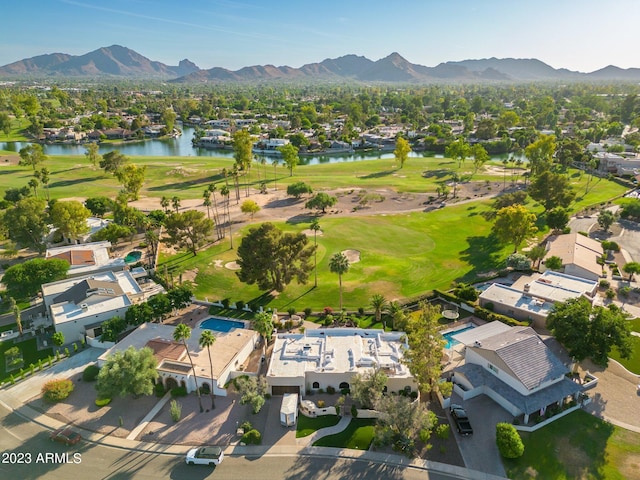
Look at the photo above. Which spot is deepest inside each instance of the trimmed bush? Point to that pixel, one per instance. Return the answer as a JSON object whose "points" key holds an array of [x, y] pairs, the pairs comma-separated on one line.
{"points": [[331, 390], [307, 312], [176, 410], [179, 392], [240, 305], [57, 390], [321, 404], [508, 440], [354, 411], [90, 373], [159, 390], [442, 431], [291, 311], [103, 402], [246, 426], [252, 437]]}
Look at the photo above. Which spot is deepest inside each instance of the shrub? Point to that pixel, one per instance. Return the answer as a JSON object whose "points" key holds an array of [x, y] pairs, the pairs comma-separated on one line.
{"points": [[252, 437], [425, 435], [604, 283], [225, 302], [331, 390], [257, 401], [176, 410], [345, 391], [239, 305], [159, 390], [610, 294], [307, 312], [508, 440], [246, 426], [57, 390], [613, 246], [354, 411], [442, 431], [291, 311], [321, 404], [624, 291], [360, 311], [327, 310], [445, 388], [90, 373], [178, 392], [103, 402]]}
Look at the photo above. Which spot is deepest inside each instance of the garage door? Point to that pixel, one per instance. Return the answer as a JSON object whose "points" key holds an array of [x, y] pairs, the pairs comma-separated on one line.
{"points": [[282, 389]]}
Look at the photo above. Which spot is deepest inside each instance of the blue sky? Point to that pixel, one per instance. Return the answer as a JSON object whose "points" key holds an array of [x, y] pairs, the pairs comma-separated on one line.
{"points": [[582, 35]]}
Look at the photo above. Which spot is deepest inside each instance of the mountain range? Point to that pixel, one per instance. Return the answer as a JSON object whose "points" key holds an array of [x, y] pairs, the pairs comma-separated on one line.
{"points": [[121, 62]]}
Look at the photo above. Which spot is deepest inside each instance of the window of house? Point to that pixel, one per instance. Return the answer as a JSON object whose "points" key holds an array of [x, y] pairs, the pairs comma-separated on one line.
{"points": [[494, 369]]}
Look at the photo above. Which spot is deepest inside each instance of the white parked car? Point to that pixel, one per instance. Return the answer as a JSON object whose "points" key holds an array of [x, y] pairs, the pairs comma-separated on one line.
{"points": [[205, 456]]}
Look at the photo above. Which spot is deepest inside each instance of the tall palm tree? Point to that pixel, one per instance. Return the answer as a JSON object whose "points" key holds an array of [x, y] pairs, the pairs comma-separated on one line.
{"points": [[164, 203], [263, 324], [182, 334], [339, 264], [396, 312], [225, 192], [275, 161], [207, 339], [175, 201], [315, 226], [378, 303], [206, 201], [213, 188]]}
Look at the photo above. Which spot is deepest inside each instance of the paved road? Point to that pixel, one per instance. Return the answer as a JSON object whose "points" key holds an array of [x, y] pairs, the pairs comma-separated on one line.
{"points": [[95, 461]]}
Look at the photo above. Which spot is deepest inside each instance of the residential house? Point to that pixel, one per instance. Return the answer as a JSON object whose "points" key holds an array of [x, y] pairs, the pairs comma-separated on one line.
{"points": [[531, 297], [323, 358], [579, 255], [228, 355], [515, 368], [78, 306], [87, 258]]}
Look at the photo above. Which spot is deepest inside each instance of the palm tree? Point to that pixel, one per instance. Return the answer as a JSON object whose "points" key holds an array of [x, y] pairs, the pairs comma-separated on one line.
{"points": [[181, 334], [275, 161], [207, 339], [396, 312], [206, 201], [213, 188], [315, 226], [224, 191], [339, 264], [164, 203], [175, 201], [263, 324], [378, 303]]}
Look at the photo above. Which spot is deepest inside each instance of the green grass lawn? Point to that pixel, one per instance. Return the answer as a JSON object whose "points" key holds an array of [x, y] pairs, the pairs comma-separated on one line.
{"points": [[358, 436], [401, 256], [30, 354], [307, 425], [578, 446], [633, 363]]}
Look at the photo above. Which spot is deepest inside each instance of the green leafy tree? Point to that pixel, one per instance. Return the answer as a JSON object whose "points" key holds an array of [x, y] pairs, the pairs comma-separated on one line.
{"points": [[298, 189], [272, 259], [630, 210], [24, 280], [321, 202], [402, 150], [249, 207], [168, 118], [426, 346], [339, 264], [91, 152], [139, 313], [207, 339], [631, 268], [242, 146], [27, 223], [113, 161], [606, 219], [290, 156], [367, 388], [480, 156], [540, 154], [180, 296], [557, 219], [514, 224], [378, 302], [508, 440], [458, 151], [590, 332], [181, 334], [58, 339], [112, 328], [160, 305], [112, 233], [128, 372], [132, 178], [553, 263], [98, 206], [551, 190], [5, 123], [70, 218], [189, 229], [402, 422], [32, 156], [536, 254]]}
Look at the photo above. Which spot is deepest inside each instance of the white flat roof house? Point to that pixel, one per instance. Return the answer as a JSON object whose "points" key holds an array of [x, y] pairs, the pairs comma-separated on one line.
{"points": [[86, 258], [330, 357], [532, 297], [78, 306], [579, 255], [515, 368], [228, 353]]}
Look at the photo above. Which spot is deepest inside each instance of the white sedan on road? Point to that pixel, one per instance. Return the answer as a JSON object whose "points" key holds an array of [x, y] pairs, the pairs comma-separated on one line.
{"points": [[205, 456]]}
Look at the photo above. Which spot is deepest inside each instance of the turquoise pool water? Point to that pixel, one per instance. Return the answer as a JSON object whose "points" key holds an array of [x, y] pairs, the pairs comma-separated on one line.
{"points": [[133, 256], [221, 324], [450, 341]]}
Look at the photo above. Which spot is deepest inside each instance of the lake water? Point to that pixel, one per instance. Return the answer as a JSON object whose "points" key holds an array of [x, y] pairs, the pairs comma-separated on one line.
{"points": [[182, 147]]}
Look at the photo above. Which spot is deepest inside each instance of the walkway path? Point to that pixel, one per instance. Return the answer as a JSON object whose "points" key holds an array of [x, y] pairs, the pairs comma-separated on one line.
{"points": [[324, 432]]}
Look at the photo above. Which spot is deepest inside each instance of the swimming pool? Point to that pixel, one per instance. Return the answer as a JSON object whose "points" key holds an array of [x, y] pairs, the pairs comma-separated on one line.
{"points": [[450, 341], [133, 256], [221, 324]]}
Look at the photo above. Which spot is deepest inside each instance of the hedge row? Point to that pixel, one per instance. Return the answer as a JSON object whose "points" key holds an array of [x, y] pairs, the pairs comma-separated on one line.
{"points": [[490, 316]]}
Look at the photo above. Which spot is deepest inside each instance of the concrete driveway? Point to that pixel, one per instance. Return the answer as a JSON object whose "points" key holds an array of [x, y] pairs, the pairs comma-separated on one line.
{"points": [[479, 450]]}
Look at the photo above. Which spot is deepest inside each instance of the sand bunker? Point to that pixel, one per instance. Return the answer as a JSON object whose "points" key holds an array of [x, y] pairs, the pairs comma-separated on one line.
{"points": [[232, 266], [309, 233], [352, 255]]}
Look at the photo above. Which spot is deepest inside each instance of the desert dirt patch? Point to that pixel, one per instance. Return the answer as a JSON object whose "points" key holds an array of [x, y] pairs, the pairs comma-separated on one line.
{"points": [[352, 255]]}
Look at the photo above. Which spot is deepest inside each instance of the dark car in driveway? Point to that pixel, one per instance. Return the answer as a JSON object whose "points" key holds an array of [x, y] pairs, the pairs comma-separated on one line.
{"points": [[461, 420], [65, 435]]}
